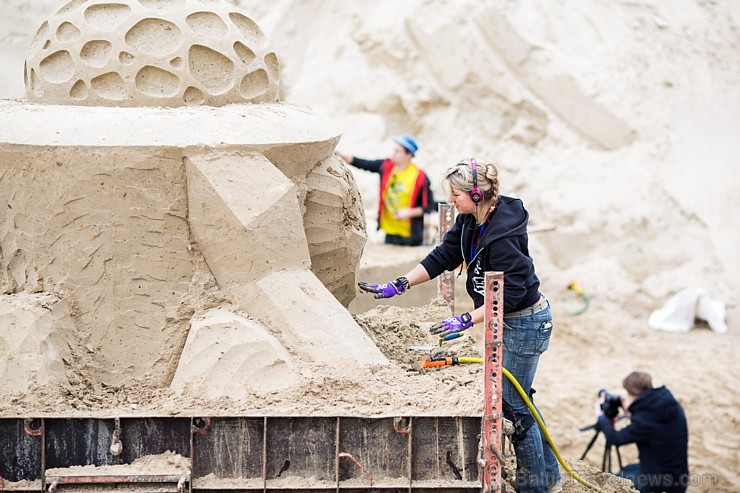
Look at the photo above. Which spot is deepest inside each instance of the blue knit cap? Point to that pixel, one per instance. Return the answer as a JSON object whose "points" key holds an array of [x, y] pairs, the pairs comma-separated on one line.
{"points": [[407, 142]]}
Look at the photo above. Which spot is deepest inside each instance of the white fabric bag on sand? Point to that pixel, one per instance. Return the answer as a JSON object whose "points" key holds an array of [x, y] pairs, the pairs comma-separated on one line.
{"points": [[679, 313]]}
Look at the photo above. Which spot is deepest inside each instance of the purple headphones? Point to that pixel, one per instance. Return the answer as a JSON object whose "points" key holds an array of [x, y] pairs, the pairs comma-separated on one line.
{"points": [[475, 194]]}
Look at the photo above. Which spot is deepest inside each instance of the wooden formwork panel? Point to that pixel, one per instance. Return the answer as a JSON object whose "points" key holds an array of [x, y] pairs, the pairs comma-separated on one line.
{"points": [[268, 454]]}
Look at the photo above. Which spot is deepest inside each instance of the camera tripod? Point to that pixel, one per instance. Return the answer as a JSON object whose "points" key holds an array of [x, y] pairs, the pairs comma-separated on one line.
{"points": [[606, 462]]}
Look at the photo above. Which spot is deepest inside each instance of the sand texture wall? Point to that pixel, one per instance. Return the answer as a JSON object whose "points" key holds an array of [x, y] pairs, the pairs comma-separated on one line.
{"points": [[581, 116], [135, 224], [612, 122], [115, 231]]}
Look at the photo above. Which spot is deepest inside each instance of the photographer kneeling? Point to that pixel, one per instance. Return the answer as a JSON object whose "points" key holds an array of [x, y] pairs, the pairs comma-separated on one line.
{"points": [[658, 427]]}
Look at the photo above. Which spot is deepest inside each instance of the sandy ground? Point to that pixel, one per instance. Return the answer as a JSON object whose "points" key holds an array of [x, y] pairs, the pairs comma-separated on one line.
{"points": [[597, 349]]}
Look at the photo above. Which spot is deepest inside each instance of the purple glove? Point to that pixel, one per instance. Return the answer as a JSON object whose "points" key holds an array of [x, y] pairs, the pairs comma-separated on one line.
{"points": [[452, 324], [396, 286]]}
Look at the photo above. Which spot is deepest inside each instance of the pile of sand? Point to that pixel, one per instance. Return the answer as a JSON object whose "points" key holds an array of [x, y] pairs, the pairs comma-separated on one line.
{"points": [[587, 353], [402, 388], [167, 463]]}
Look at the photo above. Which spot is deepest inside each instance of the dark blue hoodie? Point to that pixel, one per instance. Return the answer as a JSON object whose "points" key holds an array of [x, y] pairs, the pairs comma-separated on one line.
{"points": [[658, 427], [502, 246]]}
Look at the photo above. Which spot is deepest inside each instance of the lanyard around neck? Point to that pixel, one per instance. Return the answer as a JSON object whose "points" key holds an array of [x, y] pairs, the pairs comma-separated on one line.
{"points": [[475, 238]]}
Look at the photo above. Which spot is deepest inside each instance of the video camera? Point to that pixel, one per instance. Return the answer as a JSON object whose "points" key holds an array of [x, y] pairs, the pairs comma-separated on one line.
{"points": [[611, 404]]}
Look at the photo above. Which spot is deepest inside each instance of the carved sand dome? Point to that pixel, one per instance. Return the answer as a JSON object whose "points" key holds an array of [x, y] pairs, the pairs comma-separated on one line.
{"points": [[150, 53]]}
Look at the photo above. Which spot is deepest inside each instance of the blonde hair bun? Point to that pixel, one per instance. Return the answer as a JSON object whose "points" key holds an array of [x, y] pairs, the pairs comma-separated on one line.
{"points": [[491, 171]]}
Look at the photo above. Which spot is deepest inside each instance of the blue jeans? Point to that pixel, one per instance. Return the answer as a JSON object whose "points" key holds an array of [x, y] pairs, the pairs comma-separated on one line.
{"points": [[526, 337]]}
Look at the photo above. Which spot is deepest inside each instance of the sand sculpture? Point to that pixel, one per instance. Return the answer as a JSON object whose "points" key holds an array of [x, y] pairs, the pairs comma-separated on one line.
{"points": [[153, 53], [205, 242]]}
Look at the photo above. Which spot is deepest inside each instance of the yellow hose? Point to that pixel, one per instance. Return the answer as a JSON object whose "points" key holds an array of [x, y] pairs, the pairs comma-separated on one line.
{"points": [[542, 426]]}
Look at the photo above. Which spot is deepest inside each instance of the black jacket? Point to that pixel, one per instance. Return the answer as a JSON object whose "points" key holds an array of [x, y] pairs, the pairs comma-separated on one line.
{"points": [[503, 246], [658, 427]]}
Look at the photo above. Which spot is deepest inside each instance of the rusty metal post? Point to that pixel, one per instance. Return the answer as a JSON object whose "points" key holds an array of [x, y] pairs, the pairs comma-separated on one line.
{"points": [[446, 281], [493, 382]]}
